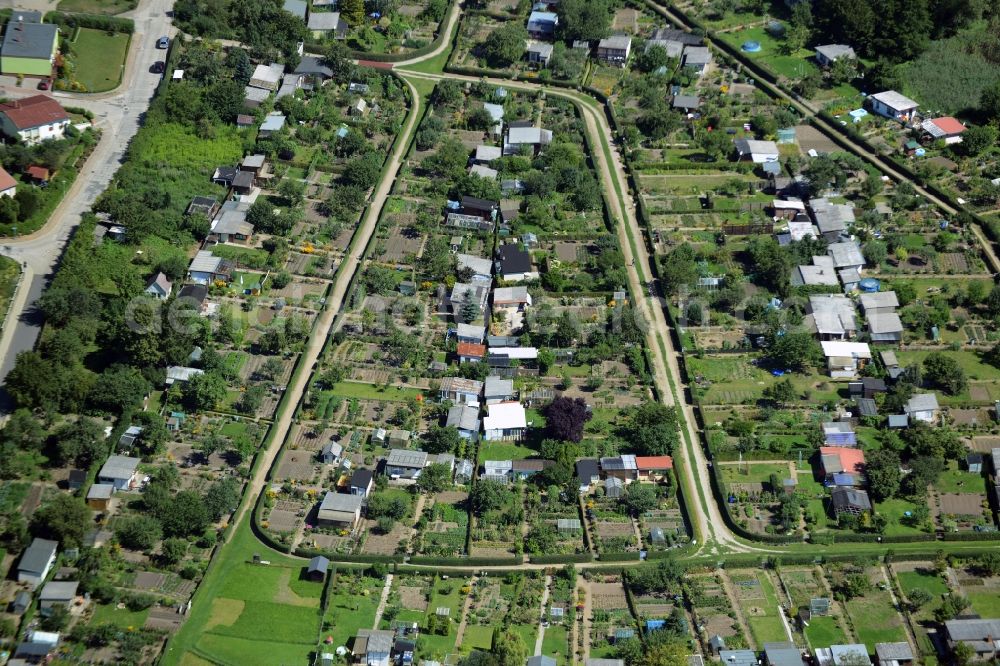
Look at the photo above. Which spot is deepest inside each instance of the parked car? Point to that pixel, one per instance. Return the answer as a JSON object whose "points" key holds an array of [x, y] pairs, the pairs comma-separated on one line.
{"points": [[163, 42], [158, 67], [43, 84]]}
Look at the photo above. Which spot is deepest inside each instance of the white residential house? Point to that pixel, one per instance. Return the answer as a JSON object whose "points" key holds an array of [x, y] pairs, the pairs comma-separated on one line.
{"points": [[697, 58], [504, 420], [37, 561], [845, 359], [542, 25], [828, 54], [538, 53], [340, 510], [832, 316], [498, 389], [465, 419], [8, 186], [373, 647], [122, 472], [460, 390], [180, 373], [33, 119], [267, 77], [892, 104], [615, 49], [518, 137], [159, 287], [759, 152], [923, 407]]}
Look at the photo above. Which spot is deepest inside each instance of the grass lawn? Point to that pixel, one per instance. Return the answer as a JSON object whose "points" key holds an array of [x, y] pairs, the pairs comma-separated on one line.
{"points": [[505, 451], [555, 644], [123, 618], [985, 603], [794, 66], [253, 652], [96, 6], [477, 637], [99, 58], [436, 648], [349, 612], [371, 392], [894, 510], [752, 472], [969, 360], [761, 612], [824, 631], [912, 580], [955, 480], [875, 619]]}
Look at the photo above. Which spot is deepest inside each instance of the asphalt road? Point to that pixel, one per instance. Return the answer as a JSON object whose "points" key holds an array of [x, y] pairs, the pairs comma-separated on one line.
{"points": [[118, 115]]}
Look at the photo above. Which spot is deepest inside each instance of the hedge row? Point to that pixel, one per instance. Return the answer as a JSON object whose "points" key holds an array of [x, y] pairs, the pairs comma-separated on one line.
{"points": [[618, 557], [339, 557], [565, 558], [466, 561], [95, 21]]}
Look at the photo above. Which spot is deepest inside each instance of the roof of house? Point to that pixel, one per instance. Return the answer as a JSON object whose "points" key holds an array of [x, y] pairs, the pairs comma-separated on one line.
{"points": [[738, 657], [513, 260], [205, 262], [119, 467], [544, 49], [29, 40], [495, 111], [831, 217], [673, 34], [895, 100], [820, 272], [973, 630], [161, 281], [6, 180], [478, 265], [505, 416], [332, 448], [37, 172], [543, 17], [461, 385], [232, 222], [37, 555], [945, 126], [57, 590], [313, 65], [697, 55], [900, 651], [463, 417], [498, 386], [525, 353], [530, 464], [488, 153], [867, 407], [834, 51], [843, 497], [255, 94], [100, 491], [754, 147], [850, 652], [884, 322], [34, 111], [841, 348], [325, 21], [540, 660], [899, 420], [296, 7], [471, 349], [844, 254], [587, 469], [268, 73], [782, 654], [528, 135], [843, 459], [273, 122], [622, 462], [832, 313], [645, 463], [341, 502], [879, 299], [319, 563], [362, 478], [510, 295], [686, 102], [922, 402], [406, 458], [196, 292], [615, 42], [374, 640]]}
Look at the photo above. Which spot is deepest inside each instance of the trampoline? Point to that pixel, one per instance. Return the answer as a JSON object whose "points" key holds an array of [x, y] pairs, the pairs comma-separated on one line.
{"points": [[751, 46]]}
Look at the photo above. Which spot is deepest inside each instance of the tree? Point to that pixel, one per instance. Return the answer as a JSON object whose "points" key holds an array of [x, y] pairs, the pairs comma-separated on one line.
{"points": [[875, 252], [855, 585], [963, 653], [924, 472], [352, 11], [489, 495], [793, 351], [184, 515], [651, 429], [435, 478], [883, 474], [393, 506], [173, 551], [469, 309], [222, 497], [64, 518], [640, 498], [23, 431], [118, 388], [441, 439], [919, 597], [989, 101], [565, 418], [977, 140], [587, 20], [781, 392], [716, 144], [204, 391], [541, 539], [81, 442], [951, 607], [944, 372], [508, 648], [138, 532], [505, 45]]}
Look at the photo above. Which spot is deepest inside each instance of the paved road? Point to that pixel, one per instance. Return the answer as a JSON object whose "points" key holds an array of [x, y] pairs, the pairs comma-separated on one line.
{"points": [[118, 115]]}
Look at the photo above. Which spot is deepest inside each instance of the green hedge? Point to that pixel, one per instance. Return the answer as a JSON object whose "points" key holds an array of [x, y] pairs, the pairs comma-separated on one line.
{"points": [[565, 558], [618, 557], [95, 21], [340, 557], [466, 561]]}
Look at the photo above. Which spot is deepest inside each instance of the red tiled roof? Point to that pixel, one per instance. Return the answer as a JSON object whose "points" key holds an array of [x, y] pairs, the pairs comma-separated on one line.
{"points": [[6, 180], [33, 111], [471, 349], [37, 172], [852, 460], [644, 463], [949, 125]]}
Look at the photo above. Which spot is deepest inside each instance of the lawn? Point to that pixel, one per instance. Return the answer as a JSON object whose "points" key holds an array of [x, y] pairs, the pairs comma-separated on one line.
{"points": [[761, 608], [968, 360], [955, 480], [875, 619], [100, 58], [824, 631], [504, 451], [987, 604], [477, 637], [349, 612], [555, 644], [894, 511], [123, 618], [96, 6], [793, 66]]}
